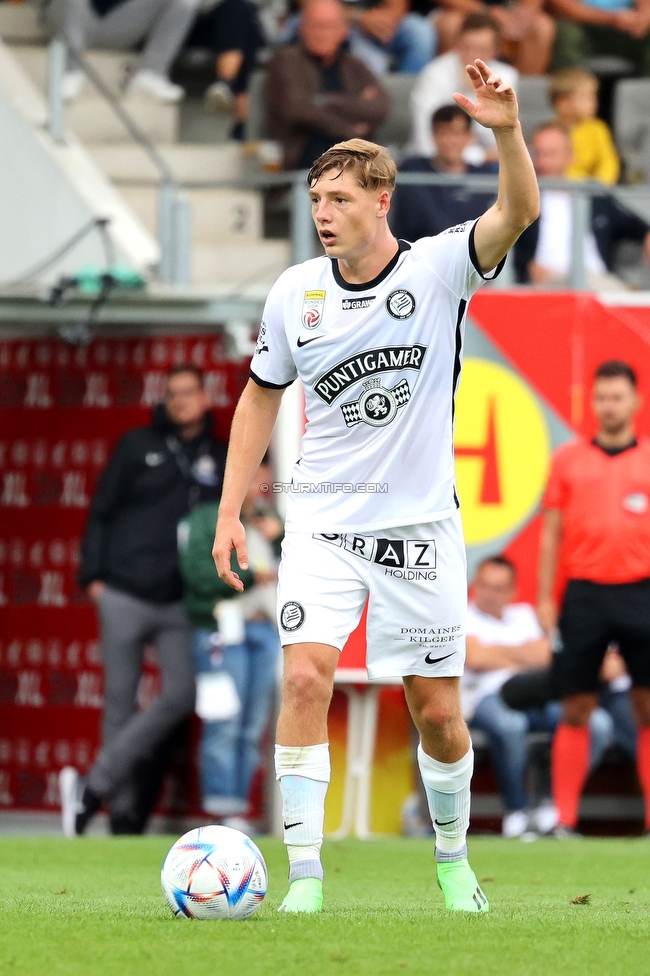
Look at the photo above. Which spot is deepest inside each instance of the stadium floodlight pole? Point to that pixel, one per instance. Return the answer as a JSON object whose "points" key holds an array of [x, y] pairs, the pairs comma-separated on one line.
{"points": [[580, 211], [57, 57], [302, 224]]}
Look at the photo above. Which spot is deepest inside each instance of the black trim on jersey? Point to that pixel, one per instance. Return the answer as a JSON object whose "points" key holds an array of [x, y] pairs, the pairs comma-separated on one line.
{"points": [[474, 259], [266, 384], [366, 285], [462, 308], [615, 451]]}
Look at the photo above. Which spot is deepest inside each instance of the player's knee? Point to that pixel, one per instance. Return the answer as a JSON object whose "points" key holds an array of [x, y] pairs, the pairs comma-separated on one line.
{"points": [[439, 716], [305, 684]]}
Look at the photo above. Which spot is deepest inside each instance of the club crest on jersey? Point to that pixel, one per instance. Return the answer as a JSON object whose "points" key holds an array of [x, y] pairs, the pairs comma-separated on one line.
{"points": [[400, 304], [312, 309], [376, 406]]}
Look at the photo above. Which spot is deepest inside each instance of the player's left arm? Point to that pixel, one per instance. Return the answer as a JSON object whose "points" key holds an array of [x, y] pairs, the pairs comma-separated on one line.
{"points": [[517, 203]]}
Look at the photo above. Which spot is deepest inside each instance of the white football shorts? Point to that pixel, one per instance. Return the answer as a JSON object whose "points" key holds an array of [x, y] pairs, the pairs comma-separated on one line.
{"points": [[415, 580]]}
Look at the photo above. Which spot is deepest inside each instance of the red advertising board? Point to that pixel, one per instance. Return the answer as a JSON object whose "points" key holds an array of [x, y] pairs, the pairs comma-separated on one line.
{"points": [[62, 410]]}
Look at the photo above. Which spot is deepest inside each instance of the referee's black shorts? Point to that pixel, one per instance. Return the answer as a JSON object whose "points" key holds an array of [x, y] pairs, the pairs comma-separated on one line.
{"points": [[593, 616]]}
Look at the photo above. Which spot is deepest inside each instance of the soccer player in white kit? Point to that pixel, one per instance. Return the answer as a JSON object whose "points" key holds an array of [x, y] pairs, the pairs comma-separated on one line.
{"points": [[374, 330]]}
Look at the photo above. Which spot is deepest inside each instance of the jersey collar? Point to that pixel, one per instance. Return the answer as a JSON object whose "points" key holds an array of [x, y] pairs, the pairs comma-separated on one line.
{"points": [[366, 285]]}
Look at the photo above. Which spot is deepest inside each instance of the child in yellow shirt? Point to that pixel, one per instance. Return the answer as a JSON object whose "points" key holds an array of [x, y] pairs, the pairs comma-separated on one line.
{"points": [[573, 93]]}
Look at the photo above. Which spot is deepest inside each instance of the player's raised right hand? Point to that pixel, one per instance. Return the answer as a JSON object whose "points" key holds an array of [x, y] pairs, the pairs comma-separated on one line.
{"points": [[230, 535]]}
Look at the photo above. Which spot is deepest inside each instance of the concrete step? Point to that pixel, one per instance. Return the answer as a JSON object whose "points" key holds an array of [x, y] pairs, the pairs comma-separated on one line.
{"points": [[113, 67], [219, 217], [19, 22], [240, 265], [189, 163], [94, 122]]}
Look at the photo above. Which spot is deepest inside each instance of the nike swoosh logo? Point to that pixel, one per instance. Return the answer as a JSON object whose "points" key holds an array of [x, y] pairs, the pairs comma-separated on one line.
{"points": [[304, 342], [446, 823], [289, 826], [434, 660]]}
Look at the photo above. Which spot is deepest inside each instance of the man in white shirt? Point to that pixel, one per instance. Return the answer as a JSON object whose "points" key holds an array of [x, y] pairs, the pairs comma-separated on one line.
{"points": [[502, 638], [435, 86], [543, 253], [374, 329]]}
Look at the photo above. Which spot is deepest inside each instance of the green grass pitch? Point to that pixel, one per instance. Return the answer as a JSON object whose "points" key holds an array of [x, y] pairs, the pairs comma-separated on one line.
{"points": [[93, 907]]}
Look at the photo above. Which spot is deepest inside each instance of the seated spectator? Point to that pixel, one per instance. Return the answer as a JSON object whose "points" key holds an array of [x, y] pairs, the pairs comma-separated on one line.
{"points": [[527, 32], [542, 254], [160, 26], [479, 38], [504, 638], [235, 650], [573, 94], [318, 93], [232, 32], [424, 211], [388, 35], [601, 27]]}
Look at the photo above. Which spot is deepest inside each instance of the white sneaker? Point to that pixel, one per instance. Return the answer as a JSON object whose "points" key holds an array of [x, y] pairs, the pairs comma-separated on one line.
{"points": [[73, 82], [69, 787], [218, 98], [514, 824], [545, 818], [146, 82]]}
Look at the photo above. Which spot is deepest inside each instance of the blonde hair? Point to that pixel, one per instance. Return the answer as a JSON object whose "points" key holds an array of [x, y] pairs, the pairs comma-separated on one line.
{"points": [[373, 165], [566, 82]]}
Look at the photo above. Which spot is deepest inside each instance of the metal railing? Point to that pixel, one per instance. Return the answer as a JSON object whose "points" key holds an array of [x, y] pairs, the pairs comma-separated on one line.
{"points": [[304, 243], [173, 211]]}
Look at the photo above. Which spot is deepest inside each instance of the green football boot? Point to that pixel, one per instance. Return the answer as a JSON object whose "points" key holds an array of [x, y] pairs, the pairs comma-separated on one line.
{"points": [[304, 895], [462, 891]]}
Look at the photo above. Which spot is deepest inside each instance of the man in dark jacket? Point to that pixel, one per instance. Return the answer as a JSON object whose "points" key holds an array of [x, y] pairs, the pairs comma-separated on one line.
{"points": [[542, 255], [424, 211], [318, 93], [129, 568]]}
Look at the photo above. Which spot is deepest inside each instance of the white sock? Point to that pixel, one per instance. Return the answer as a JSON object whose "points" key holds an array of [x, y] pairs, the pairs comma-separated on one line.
{"points": [[304, 775], [448, 793]]}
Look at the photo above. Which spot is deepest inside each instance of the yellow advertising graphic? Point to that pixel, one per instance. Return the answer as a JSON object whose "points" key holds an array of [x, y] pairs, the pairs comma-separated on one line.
{"points": [[502, 450]]}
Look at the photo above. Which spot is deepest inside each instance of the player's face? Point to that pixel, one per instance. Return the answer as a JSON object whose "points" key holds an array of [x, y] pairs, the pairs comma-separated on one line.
{"points": [[346, 215], [185, 399], [493, 588], [615, 402]]}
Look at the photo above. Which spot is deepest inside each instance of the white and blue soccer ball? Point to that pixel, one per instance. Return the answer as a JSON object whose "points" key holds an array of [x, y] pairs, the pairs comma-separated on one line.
{"points": [[214, 872]]}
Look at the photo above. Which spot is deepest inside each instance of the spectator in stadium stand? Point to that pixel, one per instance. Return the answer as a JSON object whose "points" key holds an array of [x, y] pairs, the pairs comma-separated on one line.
{"points": [[129, 568], [391, 35], [542, 255], [586, 28], [573, 93], [236, 647], [527, 32], [503, 637], [318, 93], [233, 32], [160, 25], [423, 211], [479, 37], [596, 531], [386, 35]]}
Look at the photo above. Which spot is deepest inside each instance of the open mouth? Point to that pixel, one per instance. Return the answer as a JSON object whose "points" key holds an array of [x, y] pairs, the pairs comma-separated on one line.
{"points": [[327, 237]]}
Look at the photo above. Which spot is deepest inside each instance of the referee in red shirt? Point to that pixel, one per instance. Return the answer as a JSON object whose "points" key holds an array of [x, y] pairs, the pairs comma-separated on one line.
{"points": [[597, 527]]}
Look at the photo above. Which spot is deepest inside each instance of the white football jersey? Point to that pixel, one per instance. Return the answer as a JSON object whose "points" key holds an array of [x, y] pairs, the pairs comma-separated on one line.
{"points": [[380, 364]]}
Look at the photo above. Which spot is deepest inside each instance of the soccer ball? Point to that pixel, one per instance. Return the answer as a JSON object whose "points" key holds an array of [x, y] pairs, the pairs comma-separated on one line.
{"points": [[214, 872]]}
